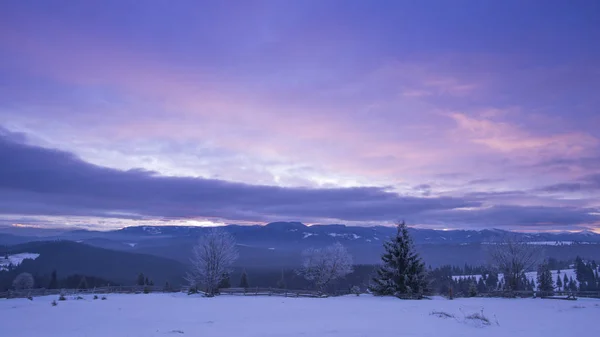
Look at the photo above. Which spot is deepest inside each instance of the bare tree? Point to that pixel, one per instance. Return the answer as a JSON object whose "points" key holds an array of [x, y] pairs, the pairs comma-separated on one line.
{"points": [[321, 266], [513, 258], [211, 258], [23, 281]]}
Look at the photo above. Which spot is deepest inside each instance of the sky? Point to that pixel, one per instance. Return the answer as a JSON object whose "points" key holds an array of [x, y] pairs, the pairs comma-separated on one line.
{"points": [[447, 114]]}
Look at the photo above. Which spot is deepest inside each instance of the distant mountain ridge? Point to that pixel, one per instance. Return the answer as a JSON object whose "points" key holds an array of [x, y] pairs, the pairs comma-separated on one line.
{"points": [[280, 244], [299, 231], [370, 234]]}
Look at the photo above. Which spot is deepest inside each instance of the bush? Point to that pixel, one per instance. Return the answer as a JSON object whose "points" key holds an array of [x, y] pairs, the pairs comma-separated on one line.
{"points": [[146, 290], [95, 297], [62, 297], [30, 298], [54, 303], [355, 290], [79, 298], [103, 298], [441, 314], [479, 317]]}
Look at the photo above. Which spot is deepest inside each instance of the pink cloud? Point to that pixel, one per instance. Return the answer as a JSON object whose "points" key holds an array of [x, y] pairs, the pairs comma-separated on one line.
{"points": [[505, 137]]}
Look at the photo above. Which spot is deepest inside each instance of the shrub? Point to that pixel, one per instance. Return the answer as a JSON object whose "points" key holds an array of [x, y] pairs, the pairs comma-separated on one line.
{"points": [[146, 290], [103, 298], [54, 303], [95, 297], [79, 298], [355, 290], [30, 298], [441, 314], [479, 317], [62, 297]]}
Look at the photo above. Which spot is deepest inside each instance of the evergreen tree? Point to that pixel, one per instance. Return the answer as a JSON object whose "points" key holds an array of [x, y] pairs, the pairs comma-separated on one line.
{"points": [[491, 283], [544, 279], [53, 281], [572, 284], [559, 283], [580, 270], [244, 280], [141, 280], [225, 283], [83, 283], [146, 281], [402, 272], [472, 289], [532, 285], [167, 287], [565, 281]]}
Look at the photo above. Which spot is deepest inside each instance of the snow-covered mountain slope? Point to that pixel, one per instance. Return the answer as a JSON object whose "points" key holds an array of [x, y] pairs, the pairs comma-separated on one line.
{"points": [[15, 259]]}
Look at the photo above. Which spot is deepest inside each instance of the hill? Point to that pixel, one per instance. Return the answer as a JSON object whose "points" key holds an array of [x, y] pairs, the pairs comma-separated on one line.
{"points": [[68, 258]]}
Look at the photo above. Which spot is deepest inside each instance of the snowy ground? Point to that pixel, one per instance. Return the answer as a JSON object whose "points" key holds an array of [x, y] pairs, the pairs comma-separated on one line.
{"points": [[531, 275], [16, 259], [350, 316]]}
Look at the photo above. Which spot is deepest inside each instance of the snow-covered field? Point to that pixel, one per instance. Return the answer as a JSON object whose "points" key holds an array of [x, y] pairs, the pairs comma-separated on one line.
{"points": [[349, 316], [16, 259], [531, 275]]}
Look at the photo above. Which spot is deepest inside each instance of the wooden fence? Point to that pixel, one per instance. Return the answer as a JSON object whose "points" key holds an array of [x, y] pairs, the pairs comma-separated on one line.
{"points": [[540, 294], [156, 289], [267, 292]]}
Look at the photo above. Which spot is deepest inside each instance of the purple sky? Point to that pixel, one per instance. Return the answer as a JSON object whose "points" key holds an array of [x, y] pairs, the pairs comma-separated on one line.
{"points": [[448, 114]]}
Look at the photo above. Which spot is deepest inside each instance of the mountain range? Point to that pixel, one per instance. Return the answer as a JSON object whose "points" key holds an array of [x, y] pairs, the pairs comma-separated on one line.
{"points": [[279, 244]]}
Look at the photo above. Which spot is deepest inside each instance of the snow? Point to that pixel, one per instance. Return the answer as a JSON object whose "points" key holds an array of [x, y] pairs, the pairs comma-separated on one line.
{"points": [[307, 235], [553, 243], [152, 230], [347, 316], [531, 275], [16, 259], [131, 244], [347, 236]]}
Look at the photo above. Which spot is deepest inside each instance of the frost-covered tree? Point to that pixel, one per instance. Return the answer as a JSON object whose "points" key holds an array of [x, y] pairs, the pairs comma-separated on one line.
{"points": [[244, 280], [544, 279], [513, 258], [324, 265], [211, 259], [23, 281], [281, 283], [402, 272]]}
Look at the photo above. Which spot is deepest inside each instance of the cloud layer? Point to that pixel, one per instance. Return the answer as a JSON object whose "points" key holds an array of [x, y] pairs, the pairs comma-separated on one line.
{"points": [[40, 181]]}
